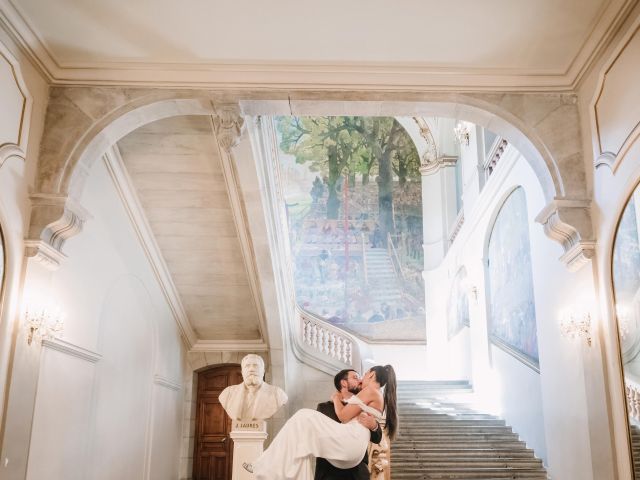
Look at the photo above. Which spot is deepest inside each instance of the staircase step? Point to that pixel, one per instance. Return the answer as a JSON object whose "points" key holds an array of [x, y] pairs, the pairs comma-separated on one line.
{"points": [[439, 439]]}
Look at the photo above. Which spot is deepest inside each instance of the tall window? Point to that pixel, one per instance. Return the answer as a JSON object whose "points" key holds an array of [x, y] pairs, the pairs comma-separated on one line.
{"points": [[353, 194], [512, 317]]}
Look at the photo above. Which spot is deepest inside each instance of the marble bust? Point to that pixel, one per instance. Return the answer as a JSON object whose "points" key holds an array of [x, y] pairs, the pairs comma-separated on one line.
{"points": [[253, 399]]}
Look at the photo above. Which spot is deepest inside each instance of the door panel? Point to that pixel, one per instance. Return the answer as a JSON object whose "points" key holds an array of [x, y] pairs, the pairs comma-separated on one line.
{"points": [[212, 458]]}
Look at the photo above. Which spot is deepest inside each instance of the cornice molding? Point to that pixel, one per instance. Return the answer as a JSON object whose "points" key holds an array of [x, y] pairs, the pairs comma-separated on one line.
{"points": [[167, 383], [72, 350], [431, 167], [306, 75], [230, 346], [124, 186], [44, 254]]}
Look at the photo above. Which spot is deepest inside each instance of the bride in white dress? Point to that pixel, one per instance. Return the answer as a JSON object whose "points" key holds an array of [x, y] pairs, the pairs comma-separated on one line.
{"points": [[309, 434]]}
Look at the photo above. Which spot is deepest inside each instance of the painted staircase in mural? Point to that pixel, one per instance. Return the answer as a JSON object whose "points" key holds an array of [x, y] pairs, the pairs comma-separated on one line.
{"points": [[353, 277], [384, 283], [440, 438]]}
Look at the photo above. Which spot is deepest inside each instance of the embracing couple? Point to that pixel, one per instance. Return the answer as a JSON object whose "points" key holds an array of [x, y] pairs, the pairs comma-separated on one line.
{"points": [[338, 433]]}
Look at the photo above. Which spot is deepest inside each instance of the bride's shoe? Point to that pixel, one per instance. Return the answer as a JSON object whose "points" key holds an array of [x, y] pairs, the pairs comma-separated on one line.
{"points": [[248, 467]]}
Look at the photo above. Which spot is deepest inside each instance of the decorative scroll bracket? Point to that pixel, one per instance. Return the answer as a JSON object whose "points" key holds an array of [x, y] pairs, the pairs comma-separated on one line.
{"points": [[429, 167], [228, 124], [46, 238], [568, 221]]}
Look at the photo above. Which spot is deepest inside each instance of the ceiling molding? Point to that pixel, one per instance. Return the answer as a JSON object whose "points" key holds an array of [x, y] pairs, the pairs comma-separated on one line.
{"points": [[234, 192], [126, 191], [306, 75]]}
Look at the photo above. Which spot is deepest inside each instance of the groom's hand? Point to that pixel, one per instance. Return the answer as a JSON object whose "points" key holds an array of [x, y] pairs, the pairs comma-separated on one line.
{"points": [[368, 421]]}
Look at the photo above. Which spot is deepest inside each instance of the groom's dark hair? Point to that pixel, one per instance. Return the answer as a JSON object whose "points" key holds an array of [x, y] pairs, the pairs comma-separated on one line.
{"points": [[341, 375]]}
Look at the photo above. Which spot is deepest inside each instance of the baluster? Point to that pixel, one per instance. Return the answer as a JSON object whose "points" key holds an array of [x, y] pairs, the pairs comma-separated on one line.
{"points": [[321, 338], [338, 348], [332, 345], [306, 332], [349, 359], [314, 336]]}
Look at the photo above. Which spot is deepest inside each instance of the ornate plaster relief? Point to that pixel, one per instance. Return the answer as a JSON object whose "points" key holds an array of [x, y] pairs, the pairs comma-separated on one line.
{"points": [[15, 104], [617, 107]]}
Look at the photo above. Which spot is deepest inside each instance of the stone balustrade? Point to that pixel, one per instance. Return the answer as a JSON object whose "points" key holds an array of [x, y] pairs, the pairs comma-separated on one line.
{"points": [[323, 338], [632, 390]]}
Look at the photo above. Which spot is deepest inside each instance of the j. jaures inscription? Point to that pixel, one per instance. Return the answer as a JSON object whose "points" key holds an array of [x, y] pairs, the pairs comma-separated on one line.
{"points": [[239, 425]]}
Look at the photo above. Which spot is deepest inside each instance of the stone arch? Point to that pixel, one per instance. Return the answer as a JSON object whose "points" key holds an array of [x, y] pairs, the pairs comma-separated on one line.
{"points": [[82, 122]]}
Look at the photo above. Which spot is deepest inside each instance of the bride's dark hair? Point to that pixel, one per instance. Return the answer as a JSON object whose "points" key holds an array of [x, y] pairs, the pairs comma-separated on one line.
{"points": [[386, 377]]}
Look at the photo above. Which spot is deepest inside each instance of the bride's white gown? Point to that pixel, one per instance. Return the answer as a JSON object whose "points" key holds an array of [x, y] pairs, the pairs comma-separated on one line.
{"points": [[310, 434]]}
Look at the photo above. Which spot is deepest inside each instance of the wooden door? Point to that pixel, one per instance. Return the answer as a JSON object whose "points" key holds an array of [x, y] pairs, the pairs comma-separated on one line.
{"points": [[212, 457]]}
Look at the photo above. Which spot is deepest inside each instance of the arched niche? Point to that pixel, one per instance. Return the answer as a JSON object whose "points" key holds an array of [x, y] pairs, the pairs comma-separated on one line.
{"points": [[511, 320]]}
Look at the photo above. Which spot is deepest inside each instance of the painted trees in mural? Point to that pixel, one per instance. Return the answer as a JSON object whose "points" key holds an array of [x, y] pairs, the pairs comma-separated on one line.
{"points": [[357, 243], [512, 319], [458, 307]]}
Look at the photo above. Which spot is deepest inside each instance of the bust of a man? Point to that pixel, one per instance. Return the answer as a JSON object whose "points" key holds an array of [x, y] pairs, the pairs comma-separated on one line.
{"points": [[253, 399]]}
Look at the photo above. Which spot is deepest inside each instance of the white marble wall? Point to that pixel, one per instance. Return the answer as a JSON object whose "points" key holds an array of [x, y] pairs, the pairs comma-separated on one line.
{"points": [[548, 409], [108, 405]]}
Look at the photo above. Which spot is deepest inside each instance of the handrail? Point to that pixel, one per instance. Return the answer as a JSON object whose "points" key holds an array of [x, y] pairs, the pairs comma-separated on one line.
{"points": [[393, 255], [364, 259], [457, 226]]}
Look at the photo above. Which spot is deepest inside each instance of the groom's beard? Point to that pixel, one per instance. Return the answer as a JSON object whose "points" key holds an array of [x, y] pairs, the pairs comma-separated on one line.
{"points": [[355, 390]]}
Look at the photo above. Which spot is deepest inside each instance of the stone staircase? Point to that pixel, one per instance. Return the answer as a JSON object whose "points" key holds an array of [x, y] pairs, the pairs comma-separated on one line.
{"points": [[442, 439], [384, 283]]}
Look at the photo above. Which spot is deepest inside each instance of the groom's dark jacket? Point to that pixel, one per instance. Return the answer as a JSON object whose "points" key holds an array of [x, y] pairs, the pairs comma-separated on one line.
{"points": [[326, 471]]}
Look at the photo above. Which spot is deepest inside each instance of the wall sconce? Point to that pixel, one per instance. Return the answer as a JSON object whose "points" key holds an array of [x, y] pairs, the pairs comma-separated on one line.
{"points": [[462, 134], [43, 324], [576, 324]]}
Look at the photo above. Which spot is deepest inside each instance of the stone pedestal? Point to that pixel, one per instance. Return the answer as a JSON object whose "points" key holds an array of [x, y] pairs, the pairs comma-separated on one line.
{"points": [[248, 441]]}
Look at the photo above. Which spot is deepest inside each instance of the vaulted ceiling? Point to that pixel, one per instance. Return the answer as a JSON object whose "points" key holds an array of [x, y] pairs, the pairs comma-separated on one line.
{"points": [[176, 171], [226, 42]]}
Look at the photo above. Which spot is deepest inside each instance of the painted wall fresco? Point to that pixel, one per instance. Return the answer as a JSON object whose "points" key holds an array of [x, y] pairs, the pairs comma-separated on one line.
{"points": [[626, 283], [458, 306], [354, 205], [512, 318]]}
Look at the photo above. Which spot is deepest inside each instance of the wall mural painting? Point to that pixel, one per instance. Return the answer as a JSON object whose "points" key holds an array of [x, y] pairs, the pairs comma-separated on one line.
{"points": [[512, 319], [458, 306], [626, 288], [626, 282], [353, 197]]}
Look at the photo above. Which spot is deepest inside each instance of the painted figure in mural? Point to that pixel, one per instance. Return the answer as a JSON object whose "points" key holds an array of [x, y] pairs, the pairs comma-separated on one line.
{"points": [[253, 399], [317, 190], [348, 384], [310, 434]]}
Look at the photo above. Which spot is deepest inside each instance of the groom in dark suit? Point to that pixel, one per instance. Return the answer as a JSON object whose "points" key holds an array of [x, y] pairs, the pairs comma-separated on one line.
{"points": [[347, 382]]}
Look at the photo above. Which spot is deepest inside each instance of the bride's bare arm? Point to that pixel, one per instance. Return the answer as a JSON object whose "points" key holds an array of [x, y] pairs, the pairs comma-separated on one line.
{"points": [[348, 412]]}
